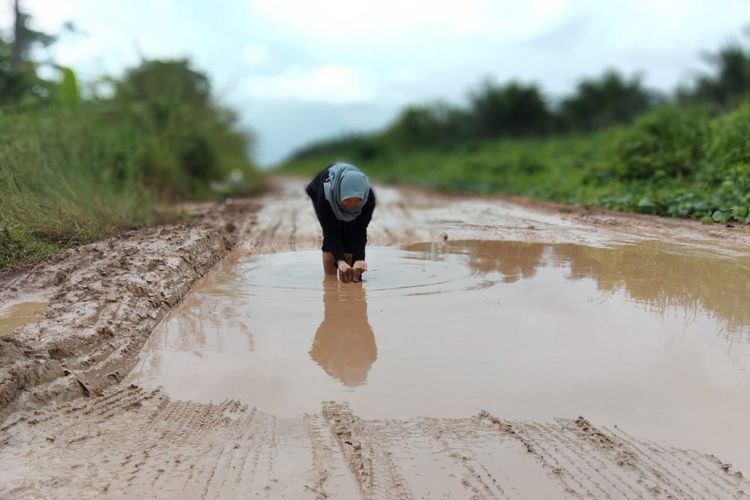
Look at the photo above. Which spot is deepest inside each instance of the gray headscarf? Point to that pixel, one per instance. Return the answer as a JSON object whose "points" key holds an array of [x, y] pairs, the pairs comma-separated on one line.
{"points": [[346, 181]]}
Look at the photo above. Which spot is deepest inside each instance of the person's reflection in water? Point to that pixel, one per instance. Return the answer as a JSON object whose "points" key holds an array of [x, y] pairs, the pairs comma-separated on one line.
{"points": [[344, 344]]}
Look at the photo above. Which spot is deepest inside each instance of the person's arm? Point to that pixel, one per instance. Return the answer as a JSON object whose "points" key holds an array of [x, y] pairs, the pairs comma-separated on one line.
{"points": [[316, 185], [363, 220], [328, 222], [331, 226]]}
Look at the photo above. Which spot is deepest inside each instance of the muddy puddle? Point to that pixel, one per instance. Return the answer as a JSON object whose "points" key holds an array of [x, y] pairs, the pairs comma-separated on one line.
{"points": [[17, 314], [647, 336]]}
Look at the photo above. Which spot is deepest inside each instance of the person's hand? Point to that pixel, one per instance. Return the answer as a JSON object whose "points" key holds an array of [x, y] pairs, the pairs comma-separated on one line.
{"points": [[346, 273], [360, 266], [357, 269]]}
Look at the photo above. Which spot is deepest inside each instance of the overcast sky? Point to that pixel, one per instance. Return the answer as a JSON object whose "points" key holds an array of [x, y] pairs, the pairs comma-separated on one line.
{"points": [[300, 70]]}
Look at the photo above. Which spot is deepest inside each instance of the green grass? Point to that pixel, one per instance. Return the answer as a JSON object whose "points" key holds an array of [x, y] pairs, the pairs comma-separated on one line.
{"points": [[672, 161], [64, 180], [75, 168], [68, 178]]}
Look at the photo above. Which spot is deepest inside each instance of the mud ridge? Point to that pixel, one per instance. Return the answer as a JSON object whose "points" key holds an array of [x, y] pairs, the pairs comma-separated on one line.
{"points": [[104, 300], [377, 475]]}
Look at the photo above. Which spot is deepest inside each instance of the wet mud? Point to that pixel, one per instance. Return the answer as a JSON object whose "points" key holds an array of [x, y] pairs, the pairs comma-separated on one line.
{"points": [[496, 349], [17, 314], [642, 335], [104, 299], [132, 443]]}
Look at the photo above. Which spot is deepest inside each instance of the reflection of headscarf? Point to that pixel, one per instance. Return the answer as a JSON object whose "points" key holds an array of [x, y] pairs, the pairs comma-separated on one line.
{"points": [[345, 181]]}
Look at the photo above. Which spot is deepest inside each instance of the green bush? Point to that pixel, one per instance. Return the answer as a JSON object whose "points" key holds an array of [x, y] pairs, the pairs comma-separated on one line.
{"points": [[432, 124], [194, 139], [729, 146], [76, 171], [510, 109], [667, 143], [66, 179], [678, 163], [73, 169]]}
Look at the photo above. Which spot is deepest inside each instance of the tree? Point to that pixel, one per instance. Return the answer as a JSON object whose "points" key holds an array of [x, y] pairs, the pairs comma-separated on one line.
{"points": [[512, 109], [18, 71], [164, 89], [432, 124], [730, 81], [173, 100], [604, 101]]}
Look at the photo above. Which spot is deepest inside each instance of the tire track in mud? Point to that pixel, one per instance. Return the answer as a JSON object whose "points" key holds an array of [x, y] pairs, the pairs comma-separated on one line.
{"points": [[600, 463], [135, 443], [376, 473], [492, 458], [332, 478]]}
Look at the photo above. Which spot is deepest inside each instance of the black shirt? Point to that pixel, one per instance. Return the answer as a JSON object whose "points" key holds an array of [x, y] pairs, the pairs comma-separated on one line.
{"points": [[340, 234]]}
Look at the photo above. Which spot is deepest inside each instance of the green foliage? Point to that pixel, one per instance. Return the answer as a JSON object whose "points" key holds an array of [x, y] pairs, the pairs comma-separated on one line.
{"points": [[512, 109], [495, 111], [17, 246], [552, 168], [73, 170], [605, 101], [19, 83], [66, 93], [674, 162], [668, 142], [197, 140], [728, 84], [430, 124], [730, 138], [67, 179]]}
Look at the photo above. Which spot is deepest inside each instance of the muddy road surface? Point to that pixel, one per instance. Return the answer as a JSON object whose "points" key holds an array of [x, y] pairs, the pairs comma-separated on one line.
{"points": [[496, 349]]}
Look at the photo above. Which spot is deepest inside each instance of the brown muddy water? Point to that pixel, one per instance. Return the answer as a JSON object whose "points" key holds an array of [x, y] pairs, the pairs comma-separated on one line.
{"points": [[16, 315], [647, 336]]}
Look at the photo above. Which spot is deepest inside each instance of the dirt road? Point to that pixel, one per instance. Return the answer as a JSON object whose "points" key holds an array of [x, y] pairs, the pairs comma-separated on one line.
{"points": [[79, 422]]}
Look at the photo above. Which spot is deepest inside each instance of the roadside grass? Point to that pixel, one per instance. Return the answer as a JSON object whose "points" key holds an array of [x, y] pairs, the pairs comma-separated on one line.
{"points": [[68, 178], [64, 180], [677, 162]]}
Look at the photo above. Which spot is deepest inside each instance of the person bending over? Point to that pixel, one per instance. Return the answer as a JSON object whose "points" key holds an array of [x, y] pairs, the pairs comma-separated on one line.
{"points": [[343, 202]]}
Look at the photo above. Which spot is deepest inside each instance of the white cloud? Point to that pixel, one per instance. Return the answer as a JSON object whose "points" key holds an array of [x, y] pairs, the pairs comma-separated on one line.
{"points": [[6, 19], [50, 15], [387, 21], [254, 54], [330, 83]]}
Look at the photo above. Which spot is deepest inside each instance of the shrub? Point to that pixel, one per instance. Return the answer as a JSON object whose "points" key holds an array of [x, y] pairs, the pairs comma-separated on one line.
{"points": [[666, 143]]}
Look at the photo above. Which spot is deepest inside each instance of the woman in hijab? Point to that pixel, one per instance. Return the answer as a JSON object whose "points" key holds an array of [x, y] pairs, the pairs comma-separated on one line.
{"points": [[343, 202]]}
